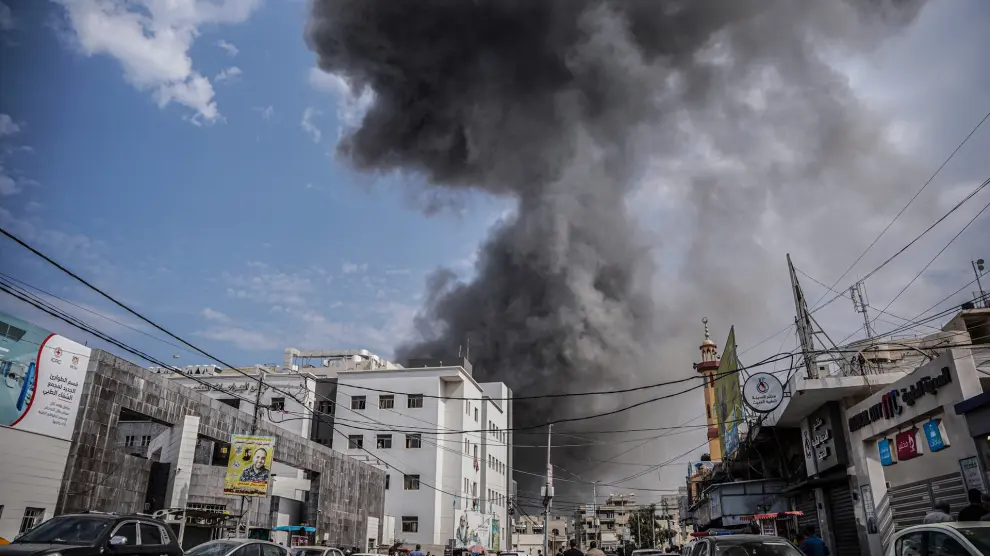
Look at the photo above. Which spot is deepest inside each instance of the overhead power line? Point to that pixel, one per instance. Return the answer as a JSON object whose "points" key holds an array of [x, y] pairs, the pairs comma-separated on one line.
{"points": [[898, 215]]}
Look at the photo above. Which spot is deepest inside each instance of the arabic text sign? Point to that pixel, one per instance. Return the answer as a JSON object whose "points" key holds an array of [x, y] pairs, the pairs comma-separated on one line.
{"points": [[43, 374], [249, 466]]}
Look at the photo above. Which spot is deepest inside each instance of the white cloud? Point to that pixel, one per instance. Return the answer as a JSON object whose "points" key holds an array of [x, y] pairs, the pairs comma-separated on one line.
{"points": [[352, 268], [242, 338], [8, 185], [151, 40], [6, 18], [228, 47], [228, 74], [8, 126], [351, 107], [308, 126], [214, 315], [266, 111]]}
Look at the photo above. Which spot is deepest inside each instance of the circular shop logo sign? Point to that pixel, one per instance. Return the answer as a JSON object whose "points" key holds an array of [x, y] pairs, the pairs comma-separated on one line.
{"points": [[763, 393]]}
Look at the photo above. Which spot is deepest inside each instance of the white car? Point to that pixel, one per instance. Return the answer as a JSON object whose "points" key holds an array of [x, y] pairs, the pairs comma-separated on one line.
{"points": [[961, 538]]}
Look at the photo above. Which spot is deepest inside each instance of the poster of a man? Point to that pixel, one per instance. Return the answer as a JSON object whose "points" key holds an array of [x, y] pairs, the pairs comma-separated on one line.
{"points": [[257, 471], [249, 466]]}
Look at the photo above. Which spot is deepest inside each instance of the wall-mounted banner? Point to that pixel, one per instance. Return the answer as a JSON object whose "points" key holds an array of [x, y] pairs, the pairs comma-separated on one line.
{"points": [[936, 435], [763, 392], [907, 445], [885, 447], [43, 374], [971, 475], [869, 511], [249, 466]]}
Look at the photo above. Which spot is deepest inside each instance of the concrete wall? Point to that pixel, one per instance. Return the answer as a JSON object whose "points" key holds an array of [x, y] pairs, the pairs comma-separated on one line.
{"points": [[32, 471], [100, 477]]}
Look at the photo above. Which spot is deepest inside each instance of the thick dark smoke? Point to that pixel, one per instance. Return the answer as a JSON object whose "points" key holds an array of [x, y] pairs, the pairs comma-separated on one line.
{"points": [[559, 104]]}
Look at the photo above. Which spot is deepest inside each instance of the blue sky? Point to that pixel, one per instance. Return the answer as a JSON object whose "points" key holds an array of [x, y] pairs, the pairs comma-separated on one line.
{"points": [[242, 233]]}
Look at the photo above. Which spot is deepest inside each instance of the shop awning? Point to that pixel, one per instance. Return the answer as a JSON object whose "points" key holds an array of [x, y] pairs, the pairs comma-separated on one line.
{"points": [[295, 528]]}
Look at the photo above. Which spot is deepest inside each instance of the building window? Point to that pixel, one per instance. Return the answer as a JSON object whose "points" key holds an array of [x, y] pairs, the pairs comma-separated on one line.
{"points": [[232, 402], [388, 481], [476, 453], [476, 415], [467, 446], [129, 440], [278, 404], [708, 408], [414, 401], [386, 402], [467, 407], [410, 482], [410, 524], [145, 441], [358, 402], [384, 441], [355, 442], [325, 407], [414, 441], [32, 517], [467, 486]]}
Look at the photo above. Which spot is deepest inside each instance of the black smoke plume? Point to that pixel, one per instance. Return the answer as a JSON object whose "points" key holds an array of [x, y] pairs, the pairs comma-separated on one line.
{"points": [[558, 104]]}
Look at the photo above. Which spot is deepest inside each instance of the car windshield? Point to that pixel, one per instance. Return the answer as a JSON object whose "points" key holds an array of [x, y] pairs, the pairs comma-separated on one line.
{"points": [[978, 536], [213, 548], [769, 547], [308, 551], [71, 529], [648, 552]]}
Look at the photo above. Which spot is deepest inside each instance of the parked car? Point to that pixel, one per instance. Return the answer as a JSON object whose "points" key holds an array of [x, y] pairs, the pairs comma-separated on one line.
{"points": [[315, 551], [238, 547], [96, 534], [743, 545], [960, 538]]}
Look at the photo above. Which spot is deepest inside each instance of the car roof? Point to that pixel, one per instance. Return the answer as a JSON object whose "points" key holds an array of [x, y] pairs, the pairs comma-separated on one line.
{"points": [[947, 525], [732, 539]]}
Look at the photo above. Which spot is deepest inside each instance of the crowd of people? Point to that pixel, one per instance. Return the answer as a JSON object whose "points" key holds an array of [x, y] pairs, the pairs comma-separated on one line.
{"points": [[977, 510]]}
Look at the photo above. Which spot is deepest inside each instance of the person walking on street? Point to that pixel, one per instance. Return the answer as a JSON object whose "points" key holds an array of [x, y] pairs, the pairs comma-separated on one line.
{"points": [[975, 510], [813, 545], [573, 550], [594, 551], [940, 514], [418, 551]]}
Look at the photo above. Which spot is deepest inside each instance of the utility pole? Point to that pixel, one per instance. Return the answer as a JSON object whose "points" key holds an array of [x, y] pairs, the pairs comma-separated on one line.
{"points": [[856, 292], [802, 320], [254, 430], [978, 270], [547, 497], [653, 526]]}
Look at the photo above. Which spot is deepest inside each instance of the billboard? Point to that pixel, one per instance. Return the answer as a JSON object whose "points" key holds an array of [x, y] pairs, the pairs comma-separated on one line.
{"points": [[476, 529], [43, 374], [728, 400], [249, 466]]}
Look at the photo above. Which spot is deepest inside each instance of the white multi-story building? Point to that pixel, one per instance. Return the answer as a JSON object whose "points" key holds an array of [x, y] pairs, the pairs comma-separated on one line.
{"points": [[445, 439]]}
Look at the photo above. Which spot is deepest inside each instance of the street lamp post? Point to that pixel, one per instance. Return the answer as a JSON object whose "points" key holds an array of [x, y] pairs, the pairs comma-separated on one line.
{"points": [[978, 269]]}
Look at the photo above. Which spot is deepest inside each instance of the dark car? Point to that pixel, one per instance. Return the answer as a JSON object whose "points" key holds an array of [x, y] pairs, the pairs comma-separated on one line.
{"points": [[743, 545], [96, 534]]}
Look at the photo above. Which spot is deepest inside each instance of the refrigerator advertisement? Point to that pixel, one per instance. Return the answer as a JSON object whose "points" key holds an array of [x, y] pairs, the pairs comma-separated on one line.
{"points": [[43, 374]]}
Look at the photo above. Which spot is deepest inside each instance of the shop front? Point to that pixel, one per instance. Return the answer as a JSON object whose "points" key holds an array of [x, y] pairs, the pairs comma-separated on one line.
{"points": [[825, 500], [909, 448]]}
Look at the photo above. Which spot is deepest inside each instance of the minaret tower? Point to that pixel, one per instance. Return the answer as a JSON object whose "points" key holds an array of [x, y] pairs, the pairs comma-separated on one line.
{"points": [[708, 367]]}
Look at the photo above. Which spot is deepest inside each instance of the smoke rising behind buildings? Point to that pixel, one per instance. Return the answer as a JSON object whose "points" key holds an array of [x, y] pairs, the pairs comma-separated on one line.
{"points": [[565, 106]]}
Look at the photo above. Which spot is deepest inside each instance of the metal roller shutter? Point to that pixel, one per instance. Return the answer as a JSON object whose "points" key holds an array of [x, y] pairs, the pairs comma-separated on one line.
{"points": [[843, 520], [805, 502]]}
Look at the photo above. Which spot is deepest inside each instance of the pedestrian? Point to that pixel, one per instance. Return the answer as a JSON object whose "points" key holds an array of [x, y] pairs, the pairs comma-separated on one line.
{"points": [[594, 551], [539, 553], [573, 550], [941, 513], [418, 551], [976, 509], [813, 545]]}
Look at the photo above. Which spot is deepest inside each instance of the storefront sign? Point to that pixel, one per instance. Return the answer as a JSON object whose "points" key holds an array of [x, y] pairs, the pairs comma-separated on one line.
{"points": [[824, 445], [763, 392], [935, 433], [971, 475], [886, 452], [926, 385], [888, 407], [869, 511], [907, 445]]}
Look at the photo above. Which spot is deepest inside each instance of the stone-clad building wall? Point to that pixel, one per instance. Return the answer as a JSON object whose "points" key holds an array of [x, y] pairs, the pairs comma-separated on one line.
{"points": [[99, 475]]}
